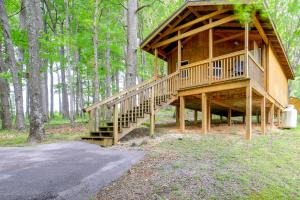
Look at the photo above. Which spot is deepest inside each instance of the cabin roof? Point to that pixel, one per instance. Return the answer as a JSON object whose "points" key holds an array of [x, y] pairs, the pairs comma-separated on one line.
{"points": [[185, 14]]}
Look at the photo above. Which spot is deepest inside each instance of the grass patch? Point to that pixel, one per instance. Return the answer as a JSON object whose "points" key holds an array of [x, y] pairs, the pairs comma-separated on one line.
{"points": [[57, 129], [16, 138], [265, 168]]}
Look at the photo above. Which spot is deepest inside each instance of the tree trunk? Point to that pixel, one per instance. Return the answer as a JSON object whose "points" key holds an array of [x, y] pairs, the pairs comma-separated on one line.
{"points": [[132, 34], [95, 44], [65, 101], [69, 66], [13, 68], [5, 114], [108, 67], [34, 27], [51, 91], [59, 92], [44, 94]]}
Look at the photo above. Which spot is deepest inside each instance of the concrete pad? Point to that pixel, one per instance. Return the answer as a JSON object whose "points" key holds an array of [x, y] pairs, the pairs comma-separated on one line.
{"points": [[70, 170]]}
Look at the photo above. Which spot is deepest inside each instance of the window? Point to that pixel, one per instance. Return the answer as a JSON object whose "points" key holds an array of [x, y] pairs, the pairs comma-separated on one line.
{"points": [[184, 73]]}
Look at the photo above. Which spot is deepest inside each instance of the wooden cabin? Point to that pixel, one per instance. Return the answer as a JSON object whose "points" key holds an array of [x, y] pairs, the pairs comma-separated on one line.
{"points": [[215, 64]]}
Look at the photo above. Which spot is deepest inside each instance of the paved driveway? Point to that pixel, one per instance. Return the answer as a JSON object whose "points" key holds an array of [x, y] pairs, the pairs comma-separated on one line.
{"points": [[71, 170]]}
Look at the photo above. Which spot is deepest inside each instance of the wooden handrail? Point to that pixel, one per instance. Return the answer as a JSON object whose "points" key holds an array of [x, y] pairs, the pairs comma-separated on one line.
{"points": [[229, 55], [145, 88], [114, 97], [214, 59]]}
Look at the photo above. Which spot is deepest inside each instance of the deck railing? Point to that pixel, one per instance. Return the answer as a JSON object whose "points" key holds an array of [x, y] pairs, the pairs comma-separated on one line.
{"points": [[222, 68]]}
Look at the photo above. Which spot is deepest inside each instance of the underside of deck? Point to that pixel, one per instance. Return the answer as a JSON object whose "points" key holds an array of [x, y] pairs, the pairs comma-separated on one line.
{"points": [[239, 98]]}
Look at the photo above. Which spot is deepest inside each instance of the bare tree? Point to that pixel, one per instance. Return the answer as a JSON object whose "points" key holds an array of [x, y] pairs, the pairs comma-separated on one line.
{"points": [[13, 68], [34, 28]]}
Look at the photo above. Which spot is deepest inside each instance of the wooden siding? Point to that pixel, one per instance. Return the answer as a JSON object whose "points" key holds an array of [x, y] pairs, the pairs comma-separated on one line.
{"points": [[196, 49], [278, 82]]}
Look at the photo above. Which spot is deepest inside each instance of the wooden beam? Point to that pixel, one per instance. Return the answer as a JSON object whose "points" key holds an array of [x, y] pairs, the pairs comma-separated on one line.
{"points": [[195, 117], [229, 117], [210, 51], [177, 116], [204, 113], [219, 103], [156, 64], [249, 112], [191, 23], [194, 12], [208, 115], [152, 113], [229, 38], [260, 29], [182, 113], [271, 114], [215, 88], [179, 52], [170, 27], [279, 117], [116, 125], [263, 115], [197, 30], [247, 48]]}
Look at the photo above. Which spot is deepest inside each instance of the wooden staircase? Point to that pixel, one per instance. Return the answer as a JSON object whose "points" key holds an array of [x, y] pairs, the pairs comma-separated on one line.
{"points": [[115, 117]]}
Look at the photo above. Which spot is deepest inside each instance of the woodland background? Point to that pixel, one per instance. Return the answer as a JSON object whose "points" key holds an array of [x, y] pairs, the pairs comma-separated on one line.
{"points": [[59, 56]]}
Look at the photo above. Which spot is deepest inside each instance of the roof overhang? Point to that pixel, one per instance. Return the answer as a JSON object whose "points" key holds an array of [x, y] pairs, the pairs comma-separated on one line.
{"points": [[186, 13]]}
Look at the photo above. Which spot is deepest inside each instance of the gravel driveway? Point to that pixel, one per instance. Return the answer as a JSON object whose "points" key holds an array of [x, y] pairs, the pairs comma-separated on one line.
{"points": [[71, 170]]}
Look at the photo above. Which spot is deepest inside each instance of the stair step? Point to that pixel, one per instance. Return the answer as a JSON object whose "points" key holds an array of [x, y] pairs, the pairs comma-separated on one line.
{"points": [[102, 141]]}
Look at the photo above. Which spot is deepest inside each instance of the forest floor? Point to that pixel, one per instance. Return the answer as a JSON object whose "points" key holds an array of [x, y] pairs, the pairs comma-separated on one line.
{"points": [[221, 165], [56, 130]]}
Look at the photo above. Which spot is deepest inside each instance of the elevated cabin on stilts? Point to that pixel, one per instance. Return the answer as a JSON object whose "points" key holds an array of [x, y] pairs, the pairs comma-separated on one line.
{"points": [[216, 65]]}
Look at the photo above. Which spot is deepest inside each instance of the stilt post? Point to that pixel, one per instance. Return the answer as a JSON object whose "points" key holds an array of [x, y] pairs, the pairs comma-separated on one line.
{"points": [[116, 124], [204, 113], [182, 114], [249, 112], [263, 115]]}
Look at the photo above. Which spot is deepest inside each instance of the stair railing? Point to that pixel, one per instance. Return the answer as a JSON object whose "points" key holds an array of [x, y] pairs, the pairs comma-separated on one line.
{"points": [[130, 108], [99, 113]]}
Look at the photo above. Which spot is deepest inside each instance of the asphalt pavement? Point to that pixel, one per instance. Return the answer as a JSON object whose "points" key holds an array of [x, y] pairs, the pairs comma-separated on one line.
{"points": [[60, 171]]}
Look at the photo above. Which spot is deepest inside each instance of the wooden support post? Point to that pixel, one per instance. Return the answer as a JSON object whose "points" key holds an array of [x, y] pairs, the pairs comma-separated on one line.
{"points": [[263, 115], [156, 64], [179, 52], [278, 117], [271, 115], [204, 113], [210, 53], [177, 116], [195, 117], [92, 120], [221, 118], [244, 119], [247, 49], [229, 117], [116, 124], [248, 112], [208, 115], [182, 113], [152, 115], [264, 64]]}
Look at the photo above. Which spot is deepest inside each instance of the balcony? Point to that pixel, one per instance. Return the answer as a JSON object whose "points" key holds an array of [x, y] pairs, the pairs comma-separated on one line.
{"points": [[223, 68]]}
